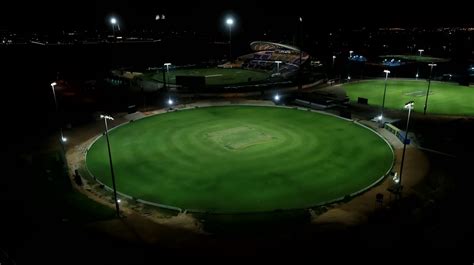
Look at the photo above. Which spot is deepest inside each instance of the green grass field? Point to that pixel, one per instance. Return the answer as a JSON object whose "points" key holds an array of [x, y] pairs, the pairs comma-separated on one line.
{"points": [[241, 159], [444, 98], [214, 76]]}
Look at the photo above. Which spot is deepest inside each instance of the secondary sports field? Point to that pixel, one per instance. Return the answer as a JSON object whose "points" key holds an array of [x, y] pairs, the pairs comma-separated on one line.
{"points": [[444, 98], [241, 158], [214, 76]]}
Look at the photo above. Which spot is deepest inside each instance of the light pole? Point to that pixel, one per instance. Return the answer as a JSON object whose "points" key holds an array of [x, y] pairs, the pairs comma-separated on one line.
{"points": [[384, 92], [63, 139], [300, 70], [418, 67], [105, 117], [428, 90], [350, 62], [278, 66], [167, 71], [113, 21], [409, 106], [230, 21]]}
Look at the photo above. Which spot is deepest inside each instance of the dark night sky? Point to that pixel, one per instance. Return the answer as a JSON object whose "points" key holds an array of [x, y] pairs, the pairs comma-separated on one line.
{"points": [[199, 15]]}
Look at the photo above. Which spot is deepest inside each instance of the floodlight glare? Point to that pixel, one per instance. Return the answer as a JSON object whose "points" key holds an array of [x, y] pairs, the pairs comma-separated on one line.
{"points": [[113, 20], [386, 71], [170, 102], [64, 139], [229, 21], [118, 200], [53, 84], [277, 97]]}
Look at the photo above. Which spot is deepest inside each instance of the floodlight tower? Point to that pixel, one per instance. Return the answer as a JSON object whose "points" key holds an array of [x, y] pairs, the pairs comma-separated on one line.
{"points": [[428, 90], [105, 118], [409, 105], [230, 22], [384, 92], [418, 67]]}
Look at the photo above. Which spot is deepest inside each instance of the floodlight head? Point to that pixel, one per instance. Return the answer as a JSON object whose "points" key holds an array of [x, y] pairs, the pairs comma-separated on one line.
{"points": [[278, 62], [380, 117], [421, 50], [301, 19], [277, 97], [409, 105], [170, 101], [113, 21], [229, 21], [63, 139], [167, 64], [118, 200], [106, 117], [432, 64], [386, 71], [334, 56]]}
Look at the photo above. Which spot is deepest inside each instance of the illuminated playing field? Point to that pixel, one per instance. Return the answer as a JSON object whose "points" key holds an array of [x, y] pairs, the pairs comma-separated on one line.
{"points": [[444, 97], [214, 76], [241, 158]]}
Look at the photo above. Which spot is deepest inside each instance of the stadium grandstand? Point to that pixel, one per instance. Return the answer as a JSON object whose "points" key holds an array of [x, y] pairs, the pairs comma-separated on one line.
{"points": [[267, 54]]}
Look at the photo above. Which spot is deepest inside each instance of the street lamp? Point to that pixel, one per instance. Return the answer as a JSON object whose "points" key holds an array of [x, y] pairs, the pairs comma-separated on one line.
{"points": [[105, 117], [384, 92], [409, 106], [333, 60], [230, 21], [428, 90]]}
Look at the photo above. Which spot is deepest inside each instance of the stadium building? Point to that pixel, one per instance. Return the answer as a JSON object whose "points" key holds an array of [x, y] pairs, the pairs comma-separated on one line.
{"points": [[281, 58]]}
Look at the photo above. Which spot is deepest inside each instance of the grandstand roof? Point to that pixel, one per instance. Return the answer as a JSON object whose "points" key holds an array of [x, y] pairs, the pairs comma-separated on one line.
{"points": [[266, 46]]}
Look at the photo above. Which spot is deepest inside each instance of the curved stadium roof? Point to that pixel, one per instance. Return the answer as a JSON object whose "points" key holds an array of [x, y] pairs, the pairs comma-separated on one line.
{"points": [[267, 46]]}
